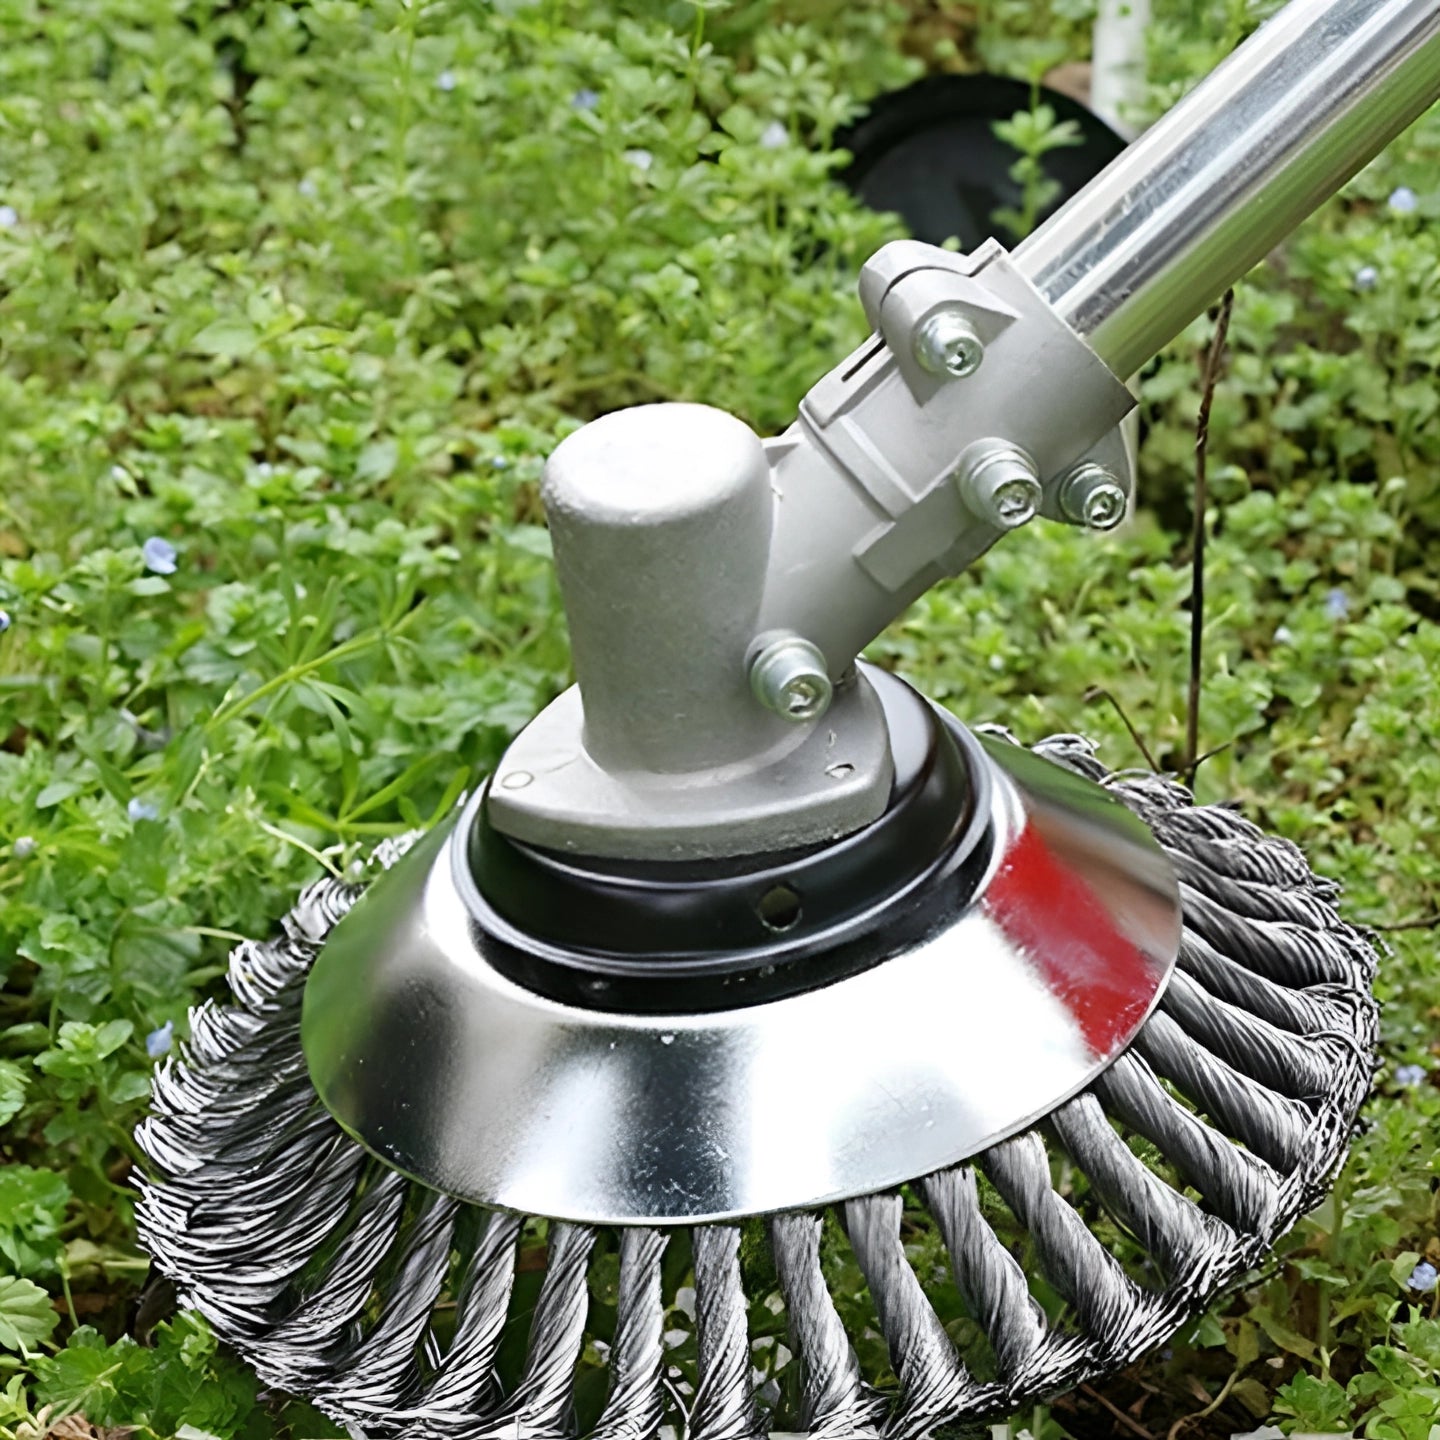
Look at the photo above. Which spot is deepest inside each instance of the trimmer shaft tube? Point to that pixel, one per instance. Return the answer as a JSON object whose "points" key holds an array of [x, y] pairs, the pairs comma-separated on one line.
{"points": [[1234, 168]]}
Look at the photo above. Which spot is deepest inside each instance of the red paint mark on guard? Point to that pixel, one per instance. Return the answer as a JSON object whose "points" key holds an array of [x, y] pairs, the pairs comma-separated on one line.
{"points": [[1057, 920]]}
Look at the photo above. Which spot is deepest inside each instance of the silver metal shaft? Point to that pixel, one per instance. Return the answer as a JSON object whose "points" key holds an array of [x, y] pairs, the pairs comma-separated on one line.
{"points": [[1230, 171]]}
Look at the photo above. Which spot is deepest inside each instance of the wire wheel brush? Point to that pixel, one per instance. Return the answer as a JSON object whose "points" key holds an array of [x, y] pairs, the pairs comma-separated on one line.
{"points": [[750, 963], [329, 1268]]}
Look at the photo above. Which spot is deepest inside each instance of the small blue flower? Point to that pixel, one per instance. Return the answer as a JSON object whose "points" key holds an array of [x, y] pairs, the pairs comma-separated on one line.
{"points": [[1367, 277], [1283, 635], [4, 621], [446, 80], [585, 99], [500, 463], [24, 846], [159, 555], [9, 217], [774, 136], [158, 1042], [307, 188], [1423, 1277], [139, 809], [1403, 200], [1409, 1075], [1337, 604], [640, 159]]}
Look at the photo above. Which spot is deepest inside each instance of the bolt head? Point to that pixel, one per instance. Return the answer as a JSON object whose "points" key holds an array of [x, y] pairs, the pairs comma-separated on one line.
{"points": [[1105, 506], [1015, 501], [789, 677], [999, 484], [804, 697], [1093, 497], [947, 344]]}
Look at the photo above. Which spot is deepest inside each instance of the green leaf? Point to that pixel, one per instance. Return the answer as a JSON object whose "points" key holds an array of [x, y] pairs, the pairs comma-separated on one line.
{"points": [[112, 1035], [1403, 1265], [13, 1405], [231, 338], [1253, 1396], [189, 1383], [377, 461], [27, 1317], [83, 1376], [531, 539], [56, 791], [13, 1081], [83, 1048], [1284, 1336], [33, 1203], [1315, 1403], [1208, 1333], [149, 585], [1244, 1345]]}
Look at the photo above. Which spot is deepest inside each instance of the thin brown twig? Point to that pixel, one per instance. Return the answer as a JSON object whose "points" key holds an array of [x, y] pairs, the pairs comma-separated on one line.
{"points": [[1098, 692], [1428, 922], [1209, 755], [1128, 1421], [1209, 376], [1210, 1409]]}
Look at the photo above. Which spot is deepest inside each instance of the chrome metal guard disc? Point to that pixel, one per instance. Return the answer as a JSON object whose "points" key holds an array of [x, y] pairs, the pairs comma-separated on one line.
{"points": [[1028, 984]]}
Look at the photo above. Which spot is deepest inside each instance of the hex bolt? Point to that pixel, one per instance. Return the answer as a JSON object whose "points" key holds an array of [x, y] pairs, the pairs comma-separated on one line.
{"points": [[1090, 495], [789, 676], [946, 343], [999, 483]]}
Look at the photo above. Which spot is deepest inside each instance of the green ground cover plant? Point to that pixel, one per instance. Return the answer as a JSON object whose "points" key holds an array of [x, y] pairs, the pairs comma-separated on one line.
{"points": [[295, 298]]}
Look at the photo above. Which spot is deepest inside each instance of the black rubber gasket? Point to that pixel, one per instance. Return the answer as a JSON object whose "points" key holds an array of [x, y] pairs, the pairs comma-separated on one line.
{"points": [[676, 938]]}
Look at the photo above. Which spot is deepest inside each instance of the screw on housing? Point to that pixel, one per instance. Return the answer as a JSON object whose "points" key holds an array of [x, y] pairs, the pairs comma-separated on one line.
{"points": [[946, 343], [1091, 495], [999, 483], [789, 677]]}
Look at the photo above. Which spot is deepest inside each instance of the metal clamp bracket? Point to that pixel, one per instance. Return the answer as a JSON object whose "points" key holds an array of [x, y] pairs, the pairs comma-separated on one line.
{"points": [[881, 482]]}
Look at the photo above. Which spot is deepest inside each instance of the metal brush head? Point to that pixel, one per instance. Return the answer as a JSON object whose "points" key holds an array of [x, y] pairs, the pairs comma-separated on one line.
{"points": [[406, 1312]]}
